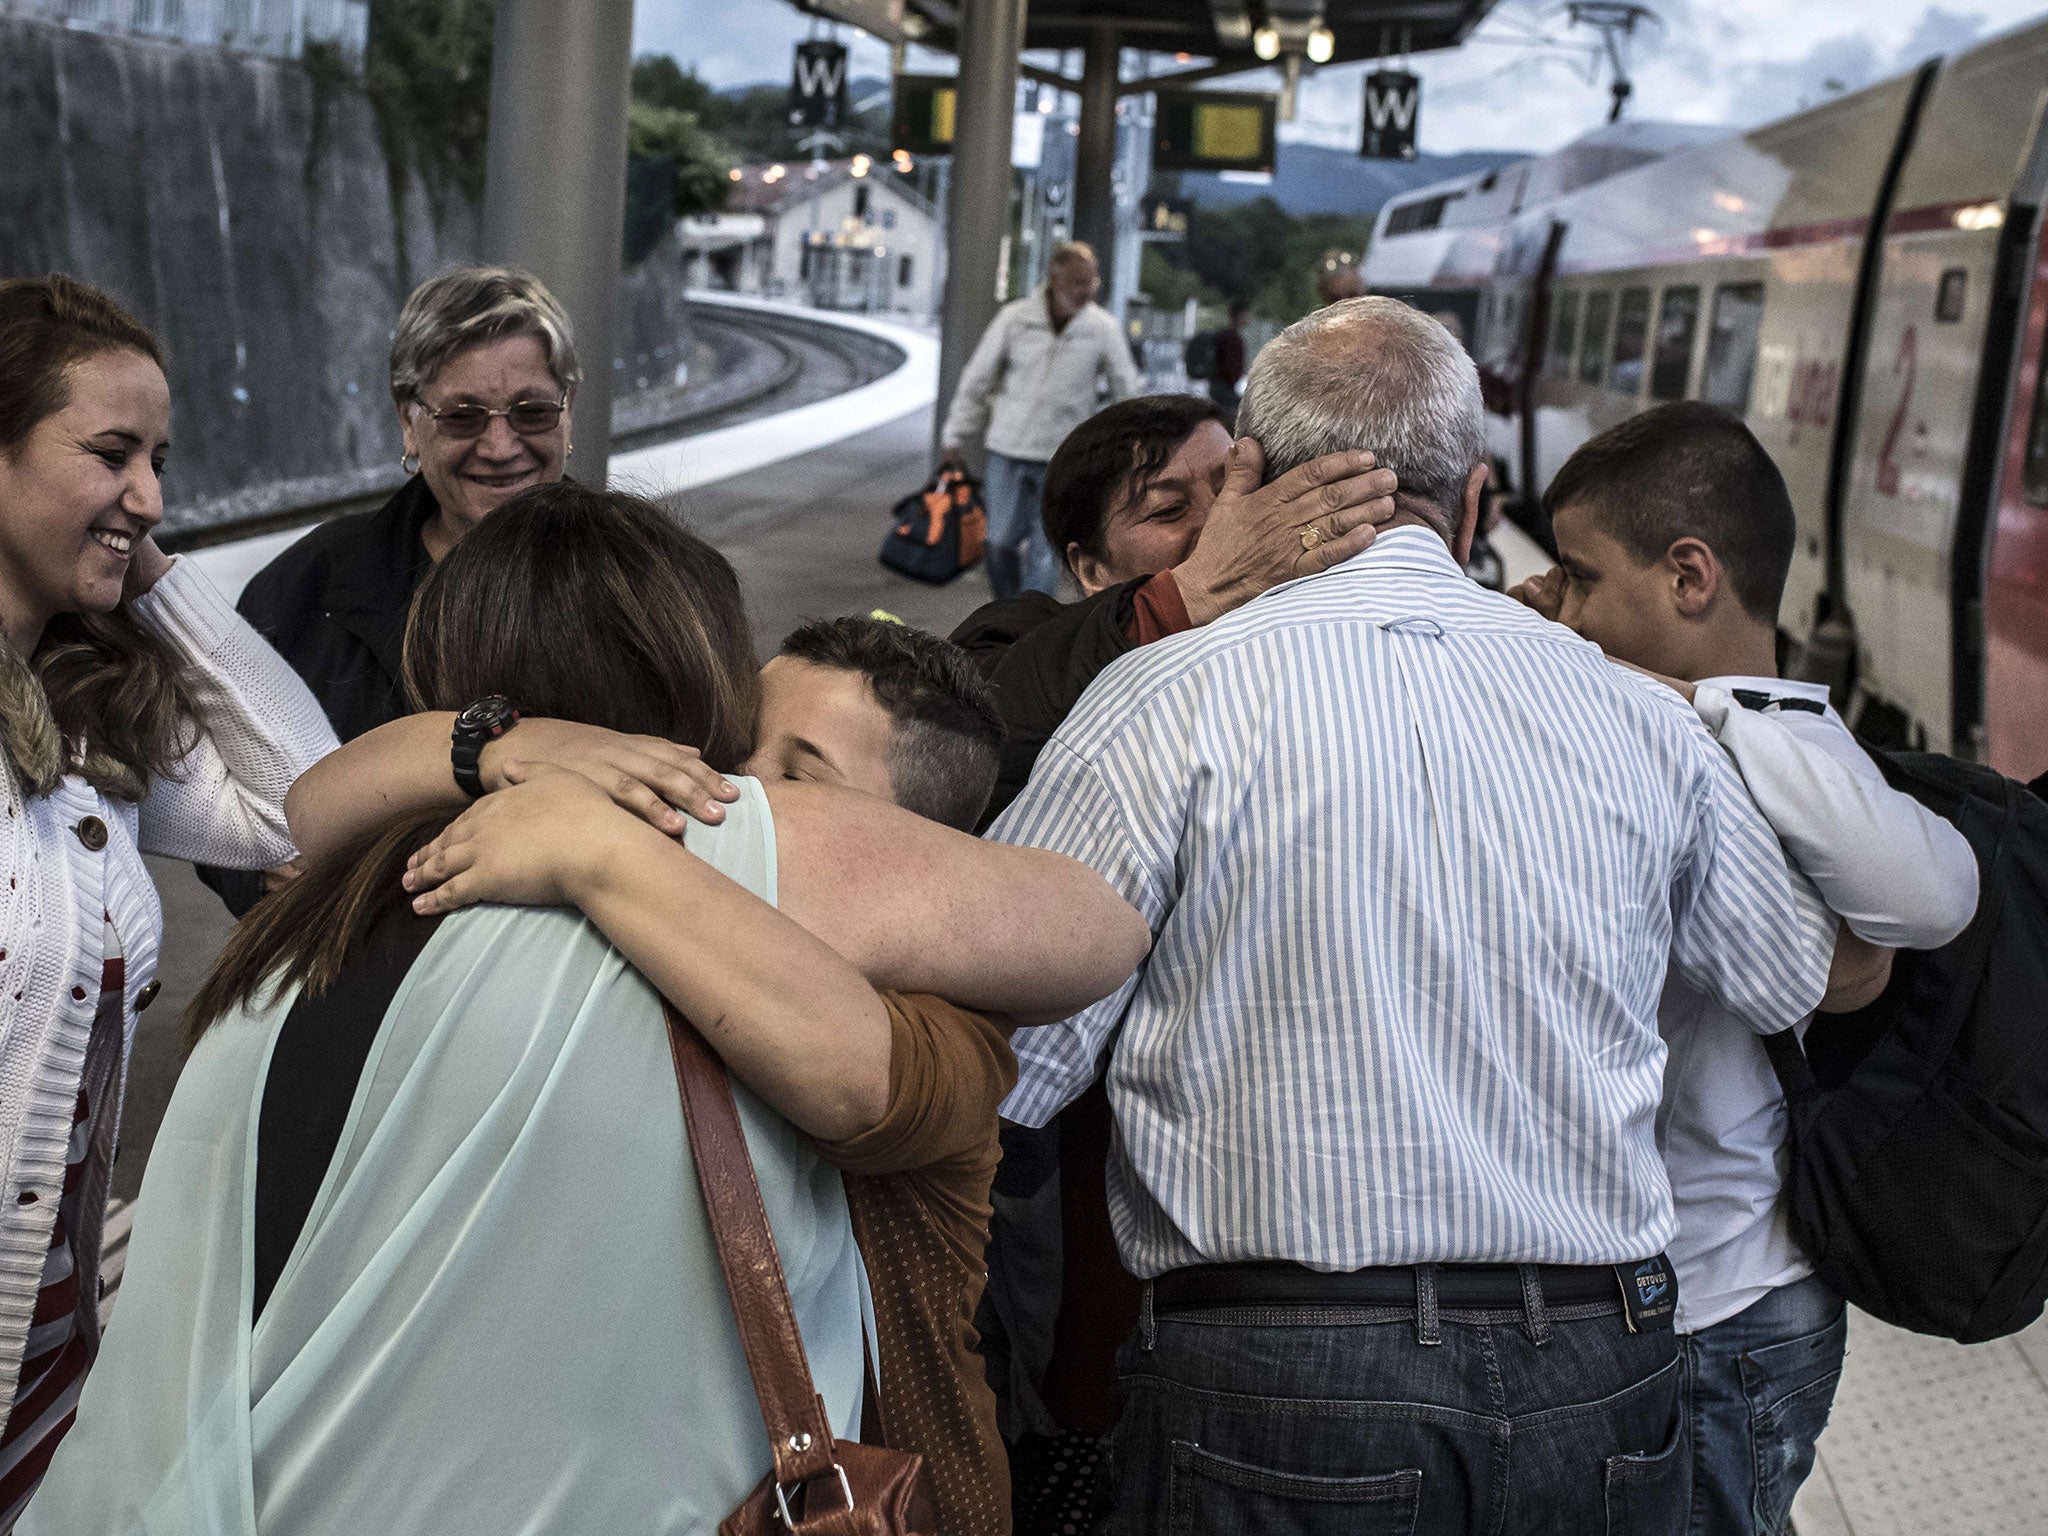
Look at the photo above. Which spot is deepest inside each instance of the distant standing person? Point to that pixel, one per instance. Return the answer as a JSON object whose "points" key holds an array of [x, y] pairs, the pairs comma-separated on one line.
{"points": [[1226, 382], [483, 373], [1338, 277], [1039, 369]]}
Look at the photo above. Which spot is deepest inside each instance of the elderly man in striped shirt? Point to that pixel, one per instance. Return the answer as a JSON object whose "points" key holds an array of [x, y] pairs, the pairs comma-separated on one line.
{"points": [[1385, 1090]]}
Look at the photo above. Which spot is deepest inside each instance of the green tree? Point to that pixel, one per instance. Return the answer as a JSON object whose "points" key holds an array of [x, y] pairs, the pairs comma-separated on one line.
{"points": [[1256, 251], [1169, 287], [755, 124], [660, 81], [702, 166], [427, 71]]}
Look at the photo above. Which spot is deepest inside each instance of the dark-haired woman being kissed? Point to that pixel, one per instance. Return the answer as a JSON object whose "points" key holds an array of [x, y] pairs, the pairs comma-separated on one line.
{"points": [[138, 714], [419, 1247]]}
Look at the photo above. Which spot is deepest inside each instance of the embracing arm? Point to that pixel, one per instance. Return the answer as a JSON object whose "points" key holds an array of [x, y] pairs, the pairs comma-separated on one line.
{"points": [[1897, 874], [790, 1017], [403, 768], [223, 803], [919, 907]]}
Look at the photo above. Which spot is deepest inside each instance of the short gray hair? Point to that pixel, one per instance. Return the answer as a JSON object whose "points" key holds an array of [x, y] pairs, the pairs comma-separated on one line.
{"points": [[1371, 373], [466, 307]]}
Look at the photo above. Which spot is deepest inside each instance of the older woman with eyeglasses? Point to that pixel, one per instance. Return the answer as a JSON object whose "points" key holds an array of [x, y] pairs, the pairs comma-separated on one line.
{"points": [[483, 373]]}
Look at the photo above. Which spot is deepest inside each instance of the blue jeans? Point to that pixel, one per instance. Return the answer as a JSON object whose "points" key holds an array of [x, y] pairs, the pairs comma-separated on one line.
{"points": [[1314, 1422], [1018, 556], [1758, 1387]]}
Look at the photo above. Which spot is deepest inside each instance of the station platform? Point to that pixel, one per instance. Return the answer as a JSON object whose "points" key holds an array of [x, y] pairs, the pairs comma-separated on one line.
{"points": [[1927, 1439]]}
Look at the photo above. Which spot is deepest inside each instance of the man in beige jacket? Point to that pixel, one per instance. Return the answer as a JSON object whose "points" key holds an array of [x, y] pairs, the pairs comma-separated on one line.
{"points": [[1037, 372]]}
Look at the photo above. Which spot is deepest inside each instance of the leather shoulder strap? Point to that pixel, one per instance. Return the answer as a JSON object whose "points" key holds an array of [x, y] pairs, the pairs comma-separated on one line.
{"points": [[799, 1433]]}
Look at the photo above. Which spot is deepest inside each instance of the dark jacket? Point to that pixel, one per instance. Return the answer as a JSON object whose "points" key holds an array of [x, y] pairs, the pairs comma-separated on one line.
{"points": [[1041, 655], [1050, 1341], [334, 605]]}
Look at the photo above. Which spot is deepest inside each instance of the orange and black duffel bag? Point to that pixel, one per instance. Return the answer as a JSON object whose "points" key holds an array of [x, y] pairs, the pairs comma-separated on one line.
{"points": [[937, 533]]}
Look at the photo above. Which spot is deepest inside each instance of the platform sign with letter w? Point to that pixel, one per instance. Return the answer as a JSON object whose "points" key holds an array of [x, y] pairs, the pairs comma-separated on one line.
{"points": [[1393, 102], [817, 88]]}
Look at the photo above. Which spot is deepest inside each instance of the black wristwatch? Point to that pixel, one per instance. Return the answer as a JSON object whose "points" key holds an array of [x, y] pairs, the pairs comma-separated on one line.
{"points": [[476, 728]]}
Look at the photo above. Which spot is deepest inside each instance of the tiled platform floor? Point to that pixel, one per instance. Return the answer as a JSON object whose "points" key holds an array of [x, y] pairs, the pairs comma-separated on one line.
{"points": [[1930, 1438]]}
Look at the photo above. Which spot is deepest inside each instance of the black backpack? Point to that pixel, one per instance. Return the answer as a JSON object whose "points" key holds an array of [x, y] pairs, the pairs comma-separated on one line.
{"points": [[1918, 1179], [1199, 355]]}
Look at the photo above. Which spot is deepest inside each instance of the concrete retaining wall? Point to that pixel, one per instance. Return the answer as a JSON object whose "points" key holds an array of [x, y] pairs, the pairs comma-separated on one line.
{"points": [[244, 208]]}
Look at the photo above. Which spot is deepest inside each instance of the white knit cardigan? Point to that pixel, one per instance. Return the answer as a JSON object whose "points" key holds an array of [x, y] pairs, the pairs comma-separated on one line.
{"points": [[223, 804]]}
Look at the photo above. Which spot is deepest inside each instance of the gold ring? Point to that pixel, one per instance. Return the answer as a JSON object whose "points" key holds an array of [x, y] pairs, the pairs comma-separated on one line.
{"points": [[1311, 536]]}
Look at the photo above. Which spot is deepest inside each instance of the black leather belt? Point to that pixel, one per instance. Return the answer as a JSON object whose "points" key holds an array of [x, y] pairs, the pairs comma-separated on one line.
{"points": [[1471, 1286]]}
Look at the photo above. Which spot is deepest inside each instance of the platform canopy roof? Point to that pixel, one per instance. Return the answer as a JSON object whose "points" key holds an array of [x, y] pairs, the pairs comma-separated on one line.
{"points": [[1218, 32]]}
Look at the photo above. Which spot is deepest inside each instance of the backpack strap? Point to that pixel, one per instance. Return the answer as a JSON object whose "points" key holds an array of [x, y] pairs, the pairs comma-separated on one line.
{"points": [[1788, 1061]]}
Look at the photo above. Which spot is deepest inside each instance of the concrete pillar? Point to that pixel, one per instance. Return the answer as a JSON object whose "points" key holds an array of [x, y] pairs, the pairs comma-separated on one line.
{"points": [[978, 189], [555, 177], [1095, 150]]}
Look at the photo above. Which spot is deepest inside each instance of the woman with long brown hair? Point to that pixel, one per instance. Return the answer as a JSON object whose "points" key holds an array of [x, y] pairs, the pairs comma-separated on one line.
{"points": [[138, 714], [418, 1248]]}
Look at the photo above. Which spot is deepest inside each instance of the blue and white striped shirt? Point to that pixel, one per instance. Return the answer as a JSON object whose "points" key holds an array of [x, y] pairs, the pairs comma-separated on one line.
{"points": [[1415, 860]]}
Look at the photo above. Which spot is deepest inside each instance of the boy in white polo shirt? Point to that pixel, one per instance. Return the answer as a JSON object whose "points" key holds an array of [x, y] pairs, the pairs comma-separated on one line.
{"points": [[1674, 534]]}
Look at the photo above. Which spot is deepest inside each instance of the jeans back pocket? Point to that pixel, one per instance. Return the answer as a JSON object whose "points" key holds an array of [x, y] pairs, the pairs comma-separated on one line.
{"points": [[1646, 1494], [1211, 1495]]}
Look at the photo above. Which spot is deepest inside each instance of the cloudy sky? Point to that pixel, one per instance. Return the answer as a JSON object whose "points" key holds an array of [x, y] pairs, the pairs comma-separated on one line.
{"points": [[1711, 61]]}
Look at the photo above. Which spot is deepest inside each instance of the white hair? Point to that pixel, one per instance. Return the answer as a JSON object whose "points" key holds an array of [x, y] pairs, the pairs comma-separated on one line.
{"points": [[469, 306], [1371, 373]]}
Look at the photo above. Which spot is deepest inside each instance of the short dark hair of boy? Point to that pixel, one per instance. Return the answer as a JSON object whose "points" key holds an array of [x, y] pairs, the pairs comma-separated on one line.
{"points": [[1111, 457], [943, 750], [1688, 470]]}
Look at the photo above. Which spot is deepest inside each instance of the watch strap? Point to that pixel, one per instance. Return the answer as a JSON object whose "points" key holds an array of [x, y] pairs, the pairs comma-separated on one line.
{"points": [[475, 728]]}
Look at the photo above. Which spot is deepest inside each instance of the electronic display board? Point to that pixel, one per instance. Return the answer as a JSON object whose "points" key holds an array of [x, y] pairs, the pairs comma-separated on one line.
{"points": [[1213, 131]]}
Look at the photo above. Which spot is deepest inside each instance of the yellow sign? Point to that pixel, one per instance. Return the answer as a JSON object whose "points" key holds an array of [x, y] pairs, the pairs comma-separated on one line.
{"points": [[1228, 132]]}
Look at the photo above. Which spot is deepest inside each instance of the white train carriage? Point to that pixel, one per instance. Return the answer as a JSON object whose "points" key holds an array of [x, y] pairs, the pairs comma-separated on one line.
{"points": [[1867, 284]]}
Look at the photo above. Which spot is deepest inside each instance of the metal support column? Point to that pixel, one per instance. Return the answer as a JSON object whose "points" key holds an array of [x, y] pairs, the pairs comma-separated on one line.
{"points": [[978, 200], [1095, 150], [555, 178]]}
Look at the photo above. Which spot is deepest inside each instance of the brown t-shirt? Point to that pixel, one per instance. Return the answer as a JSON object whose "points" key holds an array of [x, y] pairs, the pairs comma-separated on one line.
{"points": [[917, 1188]]}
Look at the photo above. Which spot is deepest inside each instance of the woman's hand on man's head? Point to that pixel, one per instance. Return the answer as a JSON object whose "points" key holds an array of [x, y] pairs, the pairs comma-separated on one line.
{"points": [[1257, 536], [538, 842], [657, 780]]}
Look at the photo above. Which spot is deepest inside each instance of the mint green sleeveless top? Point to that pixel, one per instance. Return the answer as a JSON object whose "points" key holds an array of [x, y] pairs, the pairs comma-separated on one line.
{"points": [[504, 1314]]}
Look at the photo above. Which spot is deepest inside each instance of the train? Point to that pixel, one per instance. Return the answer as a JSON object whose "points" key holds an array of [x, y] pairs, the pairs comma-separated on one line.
{"points": [[1866, 283]]}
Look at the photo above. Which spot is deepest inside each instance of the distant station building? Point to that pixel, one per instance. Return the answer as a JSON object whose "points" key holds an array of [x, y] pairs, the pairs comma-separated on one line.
{"points": [[837, 234], [278, 28]]}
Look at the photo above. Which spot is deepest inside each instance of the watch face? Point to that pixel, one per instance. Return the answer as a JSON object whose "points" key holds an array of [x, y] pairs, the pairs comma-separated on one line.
{"points": [[490, 714]]}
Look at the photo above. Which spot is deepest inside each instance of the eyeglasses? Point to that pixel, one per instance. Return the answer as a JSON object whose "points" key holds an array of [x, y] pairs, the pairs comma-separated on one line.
{"points": [[529, 418]]}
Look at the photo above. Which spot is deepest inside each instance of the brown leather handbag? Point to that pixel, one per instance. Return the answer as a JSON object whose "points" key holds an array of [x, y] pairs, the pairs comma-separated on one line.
{"points": [[819, 1486]]}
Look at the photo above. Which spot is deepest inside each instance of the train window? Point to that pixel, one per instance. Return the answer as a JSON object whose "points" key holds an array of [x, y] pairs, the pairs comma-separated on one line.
{"points": [[1564, 328], [1948, 298], [1677, 320], [1424, 214], [1731, 345], [1593, 341], [1631, 330]]}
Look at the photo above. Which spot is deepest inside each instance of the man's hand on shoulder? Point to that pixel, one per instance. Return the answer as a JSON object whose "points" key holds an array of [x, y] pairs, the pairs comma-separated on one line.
{"points": [[1258, 536]]}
